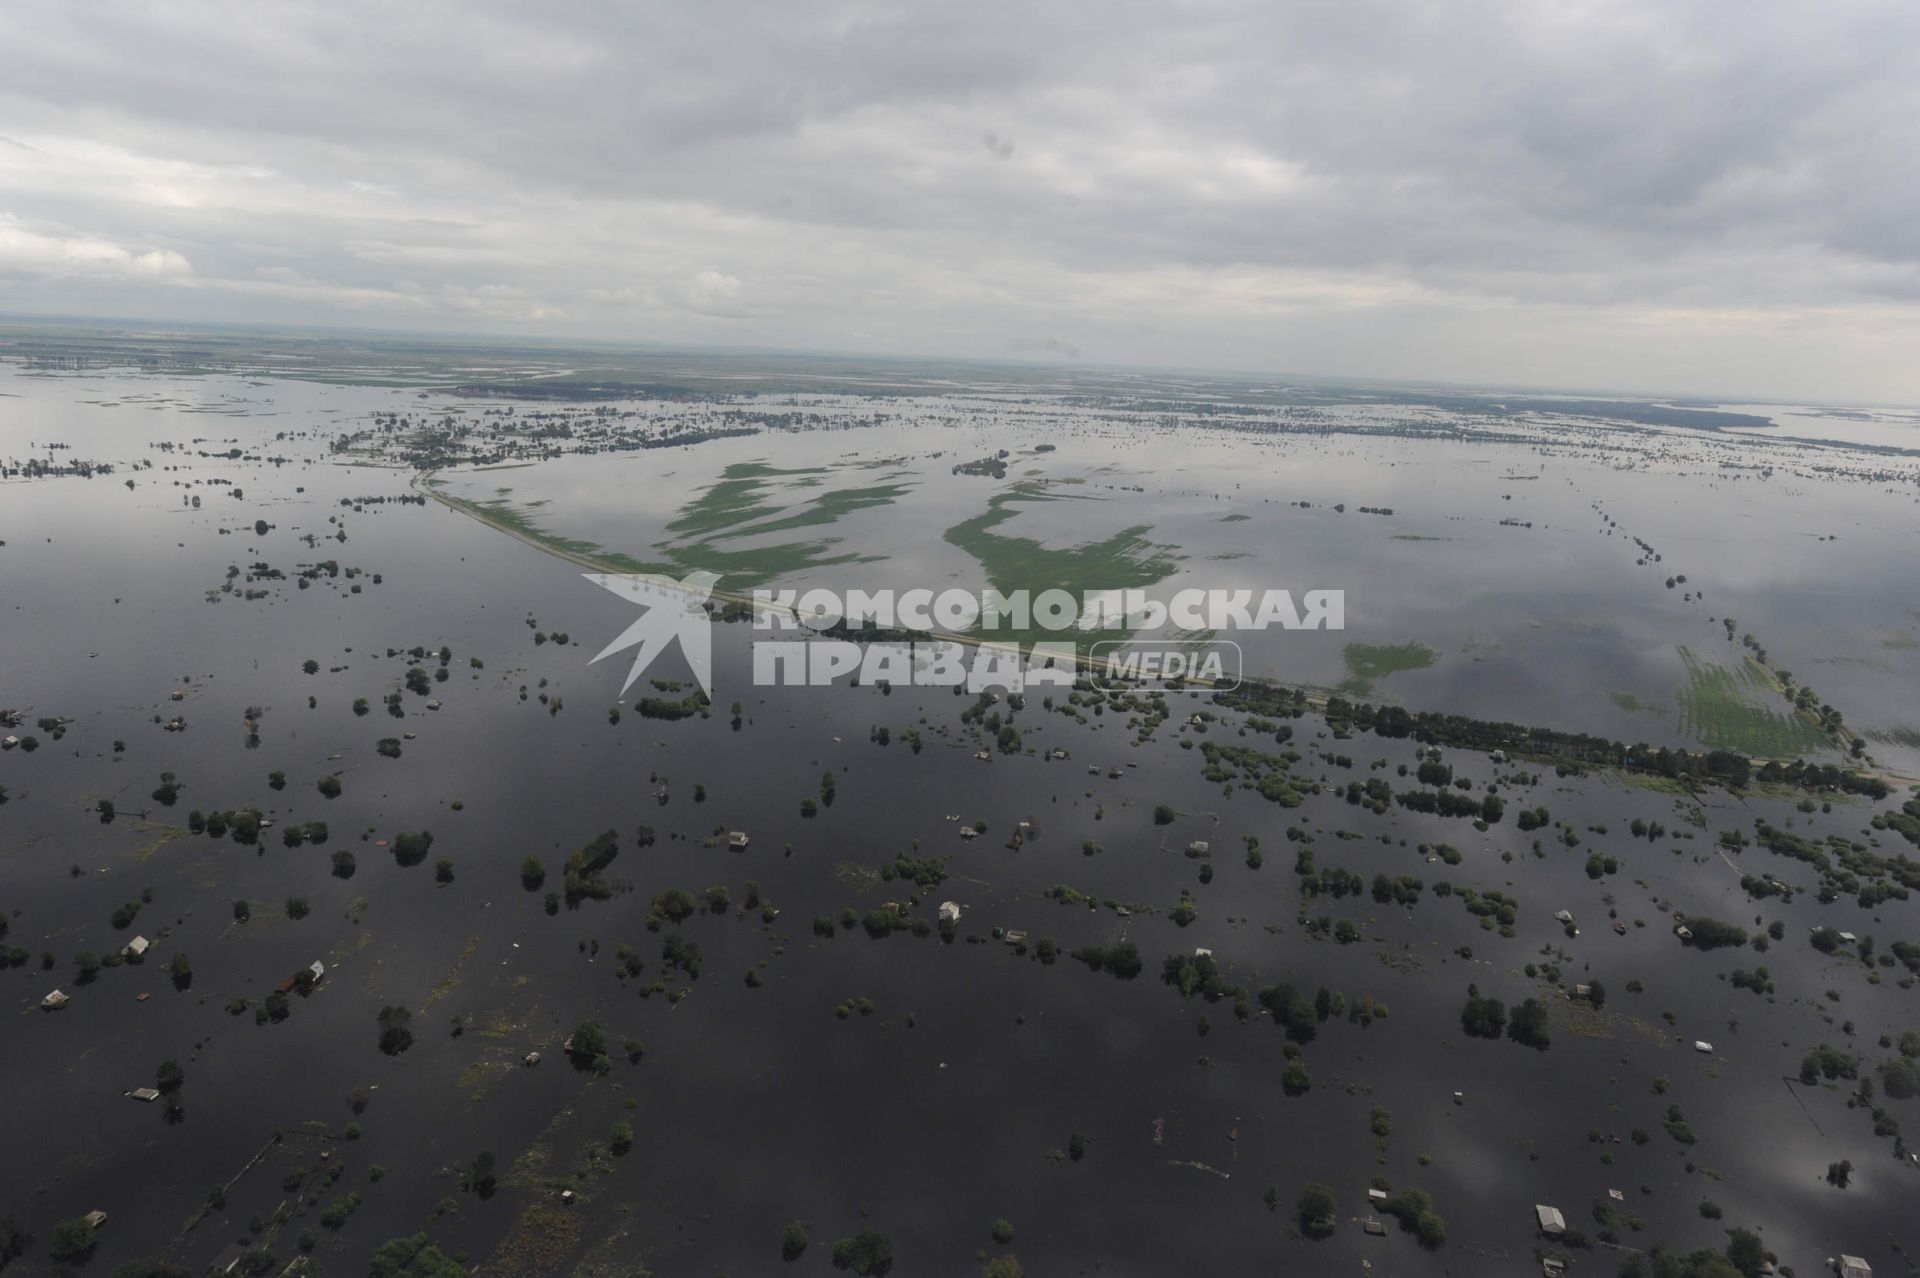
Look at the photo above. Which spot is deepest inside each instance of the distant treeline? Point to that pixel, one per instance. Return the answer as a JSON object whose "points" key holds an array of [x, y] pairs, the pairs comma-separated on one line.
{"points": [[559, 389], [1608, 409], [37, 469]]}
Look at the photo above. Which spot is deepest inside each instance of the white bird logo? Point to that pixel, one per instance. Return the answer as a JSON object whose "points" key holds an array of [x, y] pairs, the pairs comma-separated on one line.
{"points": [[674, 609]]}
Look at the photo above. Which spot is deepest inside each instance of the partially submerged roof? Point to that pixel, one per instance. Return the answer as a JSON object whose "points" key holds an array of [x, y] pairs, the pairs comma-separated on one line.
{"points": [[229, 1260], [1551, 1221]]}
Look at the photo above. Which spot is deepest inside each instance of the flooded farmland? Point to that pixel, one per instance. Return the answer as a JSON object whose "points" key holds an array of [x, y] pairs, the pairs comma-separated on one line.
{"points": [[266, 629]]}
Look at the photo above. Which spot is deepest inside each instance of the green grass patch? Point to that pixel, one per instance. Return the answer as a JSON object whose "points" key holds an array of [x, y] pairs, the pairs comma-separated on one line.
{"points": [[1368, 662], [1126, 560], [739, 497], [746, 502], [750, 500], [1741, 708]]}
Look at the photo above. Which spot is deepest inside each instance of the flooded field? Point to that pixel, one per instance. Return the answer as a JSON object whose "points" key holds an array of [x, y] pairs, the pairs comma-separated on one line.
{"points": [[264, 627]]}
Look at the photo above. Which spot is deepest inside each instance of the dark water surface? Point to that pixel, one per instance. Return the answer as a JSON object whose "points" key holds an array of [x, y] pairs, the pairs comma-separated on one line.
{"points": [[934, 1115]]}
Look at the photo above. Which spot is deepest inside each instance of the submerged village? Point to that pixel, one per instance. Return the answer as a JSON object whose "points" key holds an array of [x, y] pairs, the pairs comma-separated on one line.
{"points": [[337, 882]]}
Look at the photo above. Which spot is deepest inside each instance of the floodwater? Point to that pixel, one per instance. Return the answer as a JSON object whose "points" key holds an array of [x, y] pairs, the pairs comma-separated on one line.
{"points": [[934, 1115], [1515, 563]]}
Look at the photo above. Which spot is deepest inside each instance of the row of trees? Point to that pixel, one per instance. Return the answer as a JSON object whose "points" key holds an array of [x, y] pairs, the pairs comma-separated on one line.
{"points": [[1715, 767]]}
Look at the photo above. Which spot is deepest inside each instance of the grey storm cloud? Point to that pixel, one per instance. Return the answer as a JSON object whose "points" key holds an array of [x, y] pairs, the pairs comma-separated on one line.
{"points": [[1703, 196]]}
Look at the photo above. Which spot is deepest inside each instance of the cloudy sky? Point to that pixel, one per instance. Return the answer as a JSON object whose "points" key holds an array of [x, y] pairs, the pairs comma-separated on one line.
{"points": [[1709, 196]]}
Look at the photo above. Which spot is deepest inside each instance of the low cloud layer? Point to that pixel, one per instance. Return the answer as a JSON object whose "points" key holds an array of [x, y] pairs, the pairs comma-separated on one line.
{"points": [[1715, 197]]}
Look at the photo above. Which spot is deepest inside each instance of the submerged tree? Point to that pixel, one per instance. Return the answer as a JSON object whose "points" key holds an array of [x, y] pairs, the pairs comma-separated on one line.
{"points": [[413, 1257], [396, 1034], [1317, 1210], [1529, 1025], [1482, 1017], [867, 1252]]}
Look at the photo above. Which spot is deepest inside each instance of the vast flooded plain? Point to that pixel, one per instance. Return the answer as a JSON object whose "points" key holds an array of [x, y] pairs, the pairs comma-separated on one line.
{"points": [[341, 599]]}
